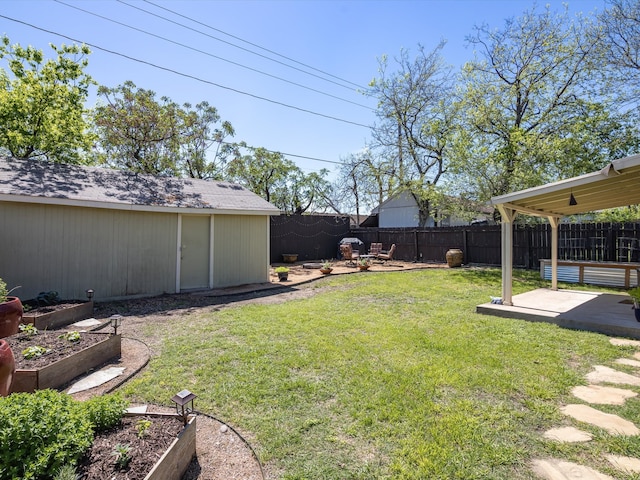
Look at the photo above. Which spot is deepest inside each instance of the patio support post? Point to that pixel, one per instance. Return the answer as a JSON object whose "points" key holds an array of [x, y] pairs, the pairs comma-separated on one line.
{"points": [[507, 217], [554, 222]]}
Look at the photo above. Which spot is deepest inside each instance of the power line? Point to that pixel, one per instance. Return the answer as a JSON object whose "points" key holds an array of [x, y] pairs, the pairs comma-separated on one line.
{"points": [[254, 45], [186, 75], [210, 54], [236, 46], [287, 154]]}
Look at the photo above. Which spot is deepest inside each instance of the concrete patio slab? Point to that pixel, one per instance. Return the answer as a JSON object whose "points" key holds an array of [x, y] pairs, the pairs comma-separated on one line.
{"points": [[567, 435], [552, 469], [613, 424], [601, 395], [624, 464], [602, 374], [606, 313]]}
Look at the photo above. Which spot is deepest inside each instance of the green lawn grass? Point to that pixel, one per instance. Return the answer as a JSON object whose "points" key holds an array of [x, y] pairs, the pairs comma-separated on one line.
{"points": [[388, 375]]}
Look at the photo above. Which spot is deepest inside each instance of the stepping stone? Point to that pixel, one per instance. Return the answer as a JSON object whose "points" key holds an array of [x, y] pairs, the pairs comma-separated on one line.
{"points": [[628, 361], [602, 395], [95, 379], [88, 323], [552, 469], [624, 342], [140, 409], [603, 374], [625, 464], [613, 424], [567, 435]]}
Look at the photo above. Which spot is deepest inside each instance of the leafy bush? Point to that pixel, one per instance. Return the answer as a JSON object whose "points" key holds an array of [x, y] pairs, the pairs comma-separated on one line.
{"points": [[3, 291], [34, 351], [104, 412], [43, 431]]}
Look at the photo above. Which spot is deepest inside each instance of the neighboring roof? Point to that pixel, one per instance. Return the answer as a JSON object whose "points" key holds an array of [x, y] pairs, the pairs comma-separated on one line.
{"points": [[370, 221], [37, 181], [616, 185]]}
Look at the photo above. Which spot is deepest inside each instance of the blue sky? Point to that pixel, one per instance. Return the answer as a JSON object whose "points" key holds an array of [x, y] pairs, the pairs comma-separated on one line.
{"points": [[340, 38]]}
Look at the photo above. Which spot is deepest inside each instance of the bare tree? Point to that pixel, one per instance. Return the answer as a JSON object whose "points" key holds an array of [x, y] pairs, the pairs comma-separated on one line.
{"points": [[416, 109]]}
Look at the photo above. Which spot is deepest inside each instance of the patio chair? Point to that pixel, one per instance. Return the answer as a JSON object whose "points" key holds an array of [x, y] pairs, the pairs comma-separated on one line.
{"points": [[375, 249], [349, 254], [388, 255]]}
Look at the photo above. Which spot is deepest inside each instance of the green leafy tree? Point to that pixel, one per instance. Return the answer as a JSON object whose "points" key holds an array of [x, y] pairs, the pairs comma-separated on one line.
{"points": [[199, 136], [279, 180], [42, 112], [533, 107], [139, 133], [364, 180], [417, 112]]}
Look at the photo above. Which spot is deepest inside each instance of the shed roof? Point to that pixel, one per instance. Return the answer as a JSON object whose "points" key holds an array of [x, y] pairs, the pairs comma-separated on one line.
{"points": [[37, 181], [616, 185]]}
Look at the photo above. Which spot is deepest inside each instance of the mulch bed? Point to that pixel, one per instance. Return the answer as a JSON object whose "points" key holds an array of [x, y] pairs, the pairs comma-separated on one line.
{"points": [[59, 348], [33, 308], [99, 462]]}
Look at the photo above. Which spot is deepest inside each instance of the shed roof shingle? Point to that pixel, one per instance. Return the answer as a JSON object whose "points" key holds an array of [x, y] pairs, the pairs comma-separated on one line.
{"points": [[28, 180]]}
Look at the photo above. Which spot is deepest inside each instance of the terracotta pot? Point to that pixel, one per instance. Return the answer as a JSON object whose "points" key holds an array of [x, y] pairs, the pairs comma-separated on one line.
{"points": [[326, 271], [283, 276], [454, 257], [7, 368], [10, 316], [363, 267]]}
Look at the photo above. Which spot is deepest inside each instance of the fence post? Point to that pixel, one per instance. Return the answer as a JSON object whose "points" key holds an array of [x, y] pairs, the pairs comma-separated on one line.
{"points": [[465, 253]]}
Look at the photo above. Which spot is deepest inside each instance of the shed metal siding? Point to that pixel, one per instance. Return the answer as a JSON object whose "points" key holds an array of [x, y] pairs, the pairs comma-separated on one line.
{"points": [[69, 249], [240, 253]]}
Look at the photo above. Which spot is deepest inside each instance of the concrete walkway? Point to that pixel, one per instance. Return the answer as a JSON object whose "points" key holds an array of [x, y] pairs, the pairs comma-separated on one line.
{"points": [[595, 394]]}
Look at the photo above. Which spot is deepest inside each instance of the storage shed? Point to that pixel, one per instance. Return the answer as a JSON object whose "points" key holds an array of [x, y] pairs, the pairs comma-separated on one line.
{"points": [[69, 228]]}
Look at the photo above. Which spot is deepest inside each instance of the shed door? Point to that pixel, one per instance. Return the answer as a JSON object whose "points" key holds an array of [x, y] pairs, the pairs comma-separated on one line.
{"points": [[194, 252]]}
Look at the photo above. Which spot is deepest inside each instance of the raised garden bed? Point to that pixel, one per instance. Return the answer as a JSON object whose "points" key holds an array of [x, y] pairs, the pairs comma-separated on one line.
{"points": [[59, 315], [66, 361], [167, 438]]}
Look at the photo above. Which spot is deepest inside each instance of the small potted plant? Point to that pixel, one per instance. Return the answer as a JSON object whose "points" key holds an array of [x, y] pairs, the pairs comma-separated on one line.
{"points": [[363, 264], [283, 273], [326, 267], [10, 311], [634, 293]]}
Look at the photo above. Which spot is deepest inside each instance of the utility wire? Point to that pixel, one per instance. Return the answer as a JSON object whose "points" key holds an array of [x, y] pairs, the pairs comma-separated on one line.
{"points": [[234, 45], [186, 75], [283, 153], [211, 54], [253, 44]]}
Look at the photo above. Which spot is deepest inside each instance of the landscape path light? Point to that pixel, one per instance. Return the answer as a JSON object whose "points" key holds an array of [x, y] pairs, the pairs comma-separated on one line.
{"points": [[116, 321], [184, 404]]}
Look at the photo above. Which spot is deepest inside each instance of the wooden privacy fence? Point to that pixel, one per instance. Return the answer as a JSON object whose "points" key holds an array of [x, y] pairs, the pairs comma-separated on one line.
{"points": [[312, 237], [317, 237]]}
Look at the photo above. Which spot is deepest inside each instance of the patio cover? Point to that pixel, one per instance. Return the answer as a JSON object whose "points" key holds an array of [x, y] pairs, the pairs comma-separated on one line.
{"points": [[616, 185]]}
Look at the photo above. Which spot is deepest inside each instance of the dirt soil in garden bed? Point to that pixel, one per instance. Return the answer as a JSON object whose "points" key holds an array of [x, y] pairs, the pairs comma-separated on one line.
{"points": [[32, 307], [58, 348], [144, 451]]}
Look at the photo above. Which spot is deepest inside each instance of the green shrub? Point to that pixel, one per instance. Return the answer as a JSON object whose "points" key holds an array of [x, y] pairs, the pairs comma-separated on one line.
{"points": [[43, 431], [66, 472], [3, 291], [104, 412]]}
